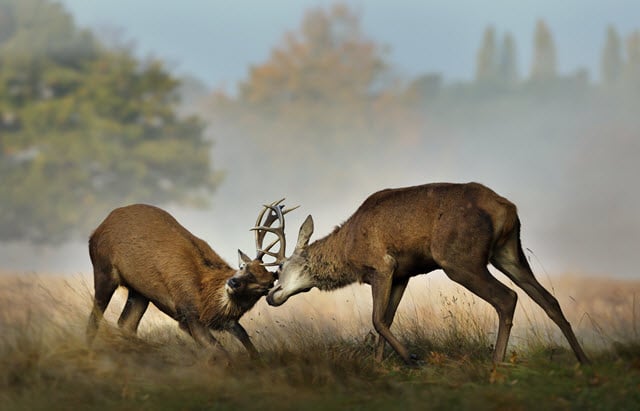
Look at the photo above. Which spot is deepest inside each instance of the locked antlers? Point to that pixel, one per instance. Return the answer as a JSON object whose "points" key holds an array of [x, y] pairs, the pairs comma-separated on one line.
{"points": [[263, 226]]}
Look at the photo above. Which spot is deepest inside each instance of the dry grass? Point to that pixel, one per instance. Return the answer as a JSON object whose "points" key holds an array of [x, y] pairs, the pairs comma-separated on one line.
{"points": [[317, 352]]}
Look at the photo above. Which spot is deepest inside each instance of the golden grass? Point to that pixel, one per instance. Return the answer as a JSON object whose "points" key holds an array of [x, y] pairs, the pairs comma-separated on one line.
{"points": [[601, 310], [316, 346]]}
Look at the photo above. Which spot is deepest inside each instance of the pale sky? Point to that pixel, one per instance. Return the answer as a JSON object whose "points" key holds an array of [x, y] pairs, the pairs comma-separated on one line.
{"points": [[217, 40]]}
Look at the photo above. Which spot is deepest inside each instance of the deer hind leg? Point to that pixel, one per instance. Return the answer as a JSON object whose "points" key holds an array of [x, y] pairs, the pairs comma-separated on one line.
{"points": [[511, 261], [105, 285], [480, 282], [133, 311], [397, 290]]}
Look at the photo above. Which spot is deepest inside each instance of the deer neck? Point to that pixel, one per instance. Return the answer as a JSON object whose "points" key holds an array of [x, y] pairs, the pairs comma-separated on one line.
{"points": [[218, 307], [328, 264]]}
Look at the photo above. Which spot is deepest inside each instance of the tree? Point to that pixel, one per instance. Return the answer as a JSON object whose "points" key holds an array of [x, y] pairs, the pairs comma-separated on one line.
{"points": [[487, 58], [329, 60], [632, 66], [7, 22], [611, 61], [324, 93], [496, 66], [323, 84], [508, 67], [544, 54], [84, 128]]}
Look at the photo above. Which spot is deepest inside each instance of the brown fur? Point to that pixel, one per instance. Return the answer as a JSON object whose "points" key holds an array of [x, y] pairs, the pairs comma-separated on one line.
{"points": [[399, 233], [145, 250]]}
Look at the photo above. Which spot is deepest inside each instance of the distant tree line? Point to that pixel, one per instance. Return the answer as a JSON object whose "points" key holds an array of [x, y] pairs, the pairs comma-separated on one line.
{"points": [[618, 69], [331, 84], [496, 64]]}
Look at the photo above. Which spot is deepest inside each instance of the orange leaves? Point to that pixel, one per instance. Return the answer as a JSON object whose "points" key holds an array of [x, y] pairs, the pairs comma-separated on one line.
{"points": [[328, 59]]}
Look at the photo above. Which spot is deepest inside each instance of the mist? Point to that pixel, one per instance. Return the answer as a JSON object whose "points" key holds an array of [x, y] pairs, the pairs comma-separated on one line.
{"points": [[570, 176], [566, 155]]}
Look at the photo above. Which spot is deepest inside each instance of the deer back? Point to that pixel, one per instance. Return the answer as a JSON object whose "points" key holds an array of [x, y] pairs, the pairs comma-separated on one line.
{"points": [[410, 222]]}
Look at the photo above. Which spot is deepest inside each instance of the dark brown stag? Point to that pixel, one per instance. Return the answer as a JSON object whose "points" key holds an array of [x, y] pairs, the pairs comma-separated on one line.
{"points": [[400, 233], [144, 249]]}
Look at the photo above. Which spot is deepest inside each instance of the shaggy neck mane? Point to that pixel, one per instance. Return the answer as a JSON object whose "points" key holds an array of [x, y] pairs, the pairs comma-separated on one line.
{"points": [[218, 308], [327, 263]]}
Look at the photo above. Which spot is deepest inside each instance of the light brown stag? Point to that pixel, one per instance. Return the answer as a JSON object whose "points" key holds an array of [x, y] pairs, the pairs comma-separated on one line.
{"points": [[400, 233], [144, 249]]}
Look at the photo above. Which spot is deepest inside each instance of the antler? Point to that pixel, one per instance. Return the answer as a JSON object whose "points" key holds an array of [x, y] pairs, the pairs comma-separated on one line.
{"points": [[261, 228]]}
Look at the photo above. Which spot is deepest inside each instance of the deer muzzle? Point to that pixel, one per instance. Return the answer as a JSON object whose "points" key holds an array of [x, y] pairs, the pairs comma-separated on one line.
{"points": [[276, 296], [233, 285]]}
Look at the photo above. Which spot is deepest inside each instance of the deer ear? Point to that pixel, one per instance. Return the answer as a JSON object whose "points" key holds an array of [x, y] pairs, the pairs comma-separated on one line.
{"points": [[243, 258], [305, 234]]}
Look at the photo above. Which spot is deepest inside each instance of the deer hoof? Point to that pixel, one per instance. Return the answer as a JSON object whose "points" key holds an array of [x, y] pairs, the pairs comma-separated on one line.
{"points": [[414, 361]]}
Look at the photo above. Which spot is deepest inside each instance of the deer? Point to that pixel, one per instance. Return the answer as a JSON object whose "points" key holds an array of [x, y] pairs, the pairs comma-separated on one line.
{"points": [[403, 232], [144, 249]]}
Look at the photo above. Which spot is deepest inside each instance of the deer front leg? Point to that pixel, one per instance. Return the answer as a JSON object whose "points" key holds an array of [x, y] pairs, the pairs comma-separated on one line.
{"points": [[203, 336], [241, 334], [381, 282], [397, 290]]}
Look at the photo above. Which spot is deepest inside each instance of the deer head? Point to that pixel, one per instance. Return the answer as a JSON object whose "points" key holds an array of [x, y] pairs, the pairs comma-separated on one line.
{"points": [[294, 276], [251, 277], [254, 272]]}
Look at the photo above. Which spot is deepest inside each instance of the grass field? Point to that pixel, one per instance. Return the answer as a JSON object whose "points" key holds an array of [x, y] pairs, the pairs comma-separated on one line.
{"points": [[316, 353]]}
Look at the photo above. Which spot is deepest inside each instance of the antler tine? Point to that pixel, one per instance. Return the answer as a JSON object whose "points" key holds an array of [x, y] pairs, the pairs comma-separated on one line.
{"points": [[270, 246], [278, 211], [260, 232], [273, 264], [289, 209], [267, 207], [261, 228]]}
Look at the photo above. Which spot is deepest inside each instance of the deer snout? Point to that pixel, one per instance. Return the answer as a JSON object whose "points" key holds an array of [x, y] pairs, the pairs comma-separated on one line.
{"points": [[233, 283], [271, 297]]}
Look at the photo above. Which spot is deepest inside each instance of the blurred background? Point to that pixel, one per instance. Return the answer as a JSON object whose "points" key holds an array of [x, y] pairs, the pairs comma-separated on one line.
{"points": [[210, 109]]}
